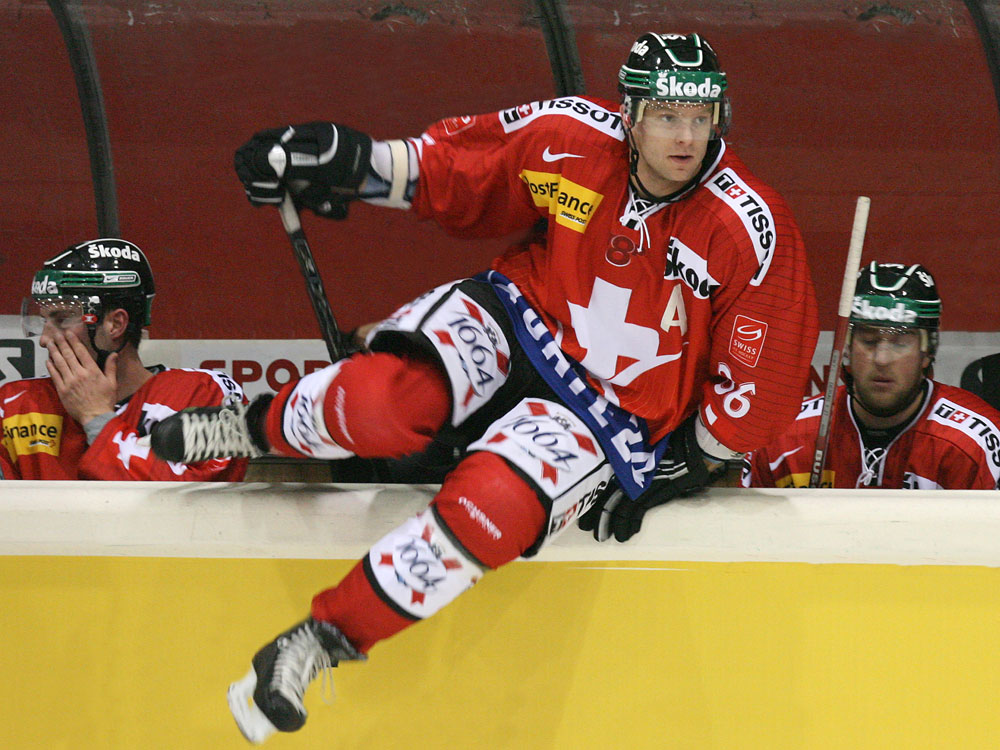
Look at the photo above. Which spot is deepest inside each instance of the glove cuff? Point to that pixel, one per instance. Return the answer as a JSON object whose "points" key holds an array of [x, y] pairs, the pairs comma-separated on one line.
{"points": [[712, 448]]}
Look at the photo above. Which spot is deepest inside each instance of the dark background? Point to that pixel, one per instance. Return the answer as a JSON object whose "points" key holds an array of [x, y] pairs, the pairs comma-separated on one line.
{"points": [[831, 100]]}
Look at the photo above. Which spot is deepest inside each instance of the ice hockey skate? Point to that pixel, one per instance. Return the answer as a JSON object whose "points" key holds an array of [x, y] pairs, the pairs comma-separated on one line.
{"points": [[200, 434], [269, 698]]}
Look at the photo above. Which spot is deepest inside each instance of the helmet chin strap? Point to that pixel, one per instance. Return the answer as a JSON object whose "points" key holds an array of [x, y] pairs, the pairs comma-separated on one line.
{"points": [[102, 354], [633, 169], [644, 192]]}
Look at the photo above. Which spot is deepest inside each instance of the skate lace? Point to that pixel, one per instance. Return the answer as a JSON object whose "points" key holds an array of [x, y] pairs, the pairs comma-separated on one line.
{"points": [[213, 435], [300, 659]]}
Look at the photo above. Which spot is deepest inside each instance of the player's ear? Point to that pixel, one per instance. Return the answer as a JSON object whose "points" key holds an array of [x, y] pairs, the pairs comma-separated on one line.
{"points": [[116, 322]]}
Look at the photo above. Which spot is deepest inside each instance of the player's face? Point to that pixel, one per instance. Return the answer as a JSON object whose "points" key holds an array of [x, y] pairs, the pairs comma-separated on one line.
{"points": [[887, 364], [60, 318], [671, 139]]}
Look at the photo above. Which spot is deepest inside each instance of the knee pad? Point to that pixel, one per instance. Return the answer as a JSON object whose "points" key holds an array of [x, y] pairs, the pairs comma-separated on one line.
{"points": [[490, 510], [484, 516], [385, 405], [370, 405]]}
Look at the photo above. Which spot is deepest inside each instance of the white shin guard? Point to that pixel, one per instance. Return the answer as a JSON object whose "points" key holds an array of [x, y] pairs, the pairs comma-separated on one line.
{"points": [[419, 568]]}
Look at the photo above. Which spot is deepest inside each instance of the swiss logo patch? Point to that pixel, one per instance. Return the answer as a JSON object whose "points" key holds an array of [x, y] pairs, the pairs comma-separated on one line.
{"points": [[747, 340], [454, 125]]}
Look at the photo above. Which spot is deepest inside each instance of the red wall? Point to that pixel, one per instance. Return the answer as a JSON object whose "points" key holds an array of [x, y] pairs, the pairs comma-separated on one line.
{"points": [[826, 107]]}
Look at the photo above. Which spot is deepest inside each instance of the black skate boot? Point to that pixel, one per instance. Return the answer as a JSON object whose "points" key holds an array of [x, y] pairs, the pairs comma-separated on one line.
{"points": [[269, 698], [198, 434]]}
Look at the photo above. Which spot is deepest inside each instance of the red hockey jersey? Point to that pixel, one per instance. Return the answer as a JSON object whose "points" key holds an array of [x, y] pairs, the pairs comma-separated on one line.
{"points": [[953, 442], [41, 441], [706, 300]]}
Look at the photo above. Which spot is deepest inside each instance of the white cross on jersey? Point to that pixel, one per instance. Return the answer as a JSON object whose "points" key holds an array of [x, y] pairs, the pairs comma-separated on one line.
{"points": [[601, 329], [129, 446]]}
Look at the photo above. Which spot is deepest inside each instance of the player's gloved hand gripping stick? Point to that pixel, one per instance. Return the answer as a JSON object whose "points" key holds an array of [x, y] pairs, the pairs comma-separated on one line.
{"points": [[317, 165], [320, 163]]}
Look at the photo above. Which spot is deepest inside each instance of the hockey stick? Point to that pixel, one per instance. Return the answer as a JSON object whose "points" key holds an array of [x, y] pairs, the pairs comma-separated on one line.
{"points": [[314, 283], [840, 336]]}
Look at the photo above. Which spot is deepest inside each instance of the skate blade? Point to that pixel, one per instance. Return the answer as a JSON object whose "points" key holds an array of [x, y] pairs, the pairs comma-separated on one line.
{"points": [[252, 722]]}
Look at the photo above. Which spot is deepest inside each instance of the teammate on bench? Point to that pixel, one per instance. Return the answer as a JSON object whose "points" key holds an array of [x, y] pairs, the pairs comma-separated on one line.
{"points": [[892, 426], [659, 322], [91, 418]]}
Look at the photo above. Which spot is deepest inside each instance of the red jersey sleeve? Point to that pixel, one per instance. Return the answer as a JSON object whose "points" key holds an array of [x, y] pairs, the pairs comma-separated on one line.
{"points": [[477, 177], [963, 472], [764, 324], [122, 450], [469, 179], [961, 449]]}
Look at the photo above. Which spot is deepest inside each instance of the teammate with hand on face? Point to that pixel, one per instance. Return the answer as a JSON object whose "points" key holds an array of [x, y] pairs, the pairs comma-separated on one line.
{"points": [[660, 321], [893, 426], [91, 418]]}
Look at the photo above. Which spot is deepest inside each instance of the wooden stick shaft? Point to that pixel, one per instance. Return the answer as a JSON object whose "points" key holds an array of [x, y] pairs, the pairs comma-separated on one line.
{"points": [[840, 335]]}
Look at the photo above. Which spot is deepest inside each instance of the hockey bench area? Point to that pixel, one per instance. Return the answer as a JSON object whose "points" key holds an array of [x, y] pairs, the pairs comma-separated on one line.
{"points": [[738, 620], [816, 619]]}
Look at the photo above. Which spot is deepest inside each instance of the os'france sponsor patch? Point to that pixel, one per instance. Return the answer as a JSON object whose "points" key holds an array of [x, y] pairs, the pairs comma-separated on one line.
{"points": [[32, 433], [572, 204], [454, 125], [747, 340]]}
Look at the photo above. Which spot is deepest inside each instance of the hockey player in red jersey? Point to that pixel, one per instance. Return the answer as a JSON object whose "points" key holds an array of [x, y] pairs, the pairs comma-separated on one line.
{"points": [[660, 321], [892, 426], [90, 419]]}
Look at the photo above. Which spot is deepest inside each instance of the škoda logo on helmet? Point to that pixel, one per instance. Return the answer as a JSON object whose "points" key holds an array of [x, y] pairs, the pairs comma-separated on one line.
{"points": [[44, 286], [862, 308], [668, 86], [100, 251]]}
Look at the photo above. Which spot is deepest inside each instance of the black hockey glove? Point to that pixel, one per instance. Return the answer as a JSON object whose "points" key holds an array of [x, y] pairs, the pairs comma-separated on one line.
{"points": [[681, 471], [319, 163]]}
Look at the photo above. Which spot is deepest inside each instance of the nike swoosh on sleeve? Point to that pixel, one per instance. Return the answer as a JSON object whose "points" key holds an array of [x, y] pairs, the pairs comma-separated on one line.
{"points": [[772, 465], [549, 156]]}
